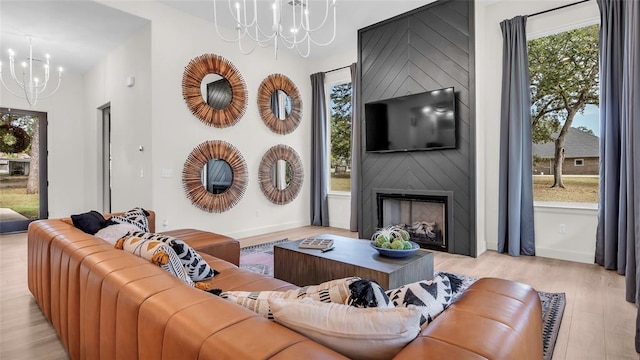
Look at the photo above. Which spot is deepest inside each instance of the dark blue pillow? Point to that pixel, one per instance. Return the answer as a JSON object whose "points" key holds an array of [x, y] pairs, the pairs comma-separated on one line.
{"points": [[90, 222]]}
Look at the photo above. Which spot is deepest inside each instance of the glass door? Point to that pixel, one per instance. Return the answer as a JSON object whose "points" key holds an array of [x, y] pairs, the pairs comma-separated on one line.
{"points": [[23, 168]]}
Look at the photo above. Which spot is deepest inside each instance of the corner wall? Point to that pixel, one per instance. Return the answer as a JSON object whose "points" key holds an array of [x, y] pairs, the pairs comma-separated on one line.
{"points": [[131, 175], [176, 38]]}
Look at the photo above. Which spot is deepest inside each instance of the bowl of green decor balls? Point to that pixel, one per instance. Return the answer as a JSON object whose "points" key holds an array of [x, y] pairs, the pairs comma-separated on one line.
{"points": [[393, 241]]}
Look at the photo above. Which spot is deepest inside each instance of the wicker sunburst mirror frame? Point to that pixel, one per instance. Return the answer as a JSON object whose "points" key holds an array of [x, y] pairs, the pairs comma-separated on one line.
{"points": [[192, 176], [265, 175], [267, 88], [195, 72]]}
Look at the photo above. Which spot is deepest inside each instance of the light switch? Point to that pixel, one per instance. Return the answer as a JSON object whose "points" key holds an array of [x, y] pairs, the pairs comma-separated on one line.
{"points": [[166, 173]]}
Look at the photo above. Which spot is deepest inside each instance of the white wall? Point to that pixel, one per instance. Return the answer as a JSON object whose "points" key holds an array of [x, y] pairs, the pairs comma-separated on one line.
{"points": [[66, 158], [570, 246], [131, 176], [176, 38]]}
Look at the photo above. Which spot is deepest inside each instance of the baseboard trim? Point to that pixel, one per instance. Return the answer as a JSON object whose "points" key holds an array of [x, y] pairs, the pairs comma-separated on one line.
{"points": [[267, 229], [577, 256]]}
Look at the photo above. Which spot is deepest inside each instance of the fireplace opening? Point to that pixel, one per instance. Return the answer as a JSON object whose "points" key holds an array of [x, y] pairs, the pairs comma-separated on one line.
{"points": [[426, 217]]}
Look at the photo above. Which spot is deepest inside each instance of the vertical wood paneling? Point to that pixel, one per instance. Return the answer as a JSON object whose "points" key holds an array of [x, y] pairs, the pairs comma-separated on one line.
{"points": [[426, 49]]}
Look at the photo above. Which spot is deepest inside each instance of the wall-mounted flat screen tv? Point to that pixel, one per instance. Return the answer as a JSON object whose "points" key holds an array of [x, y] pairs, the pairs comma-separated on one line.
{"points": [[423, 121]]}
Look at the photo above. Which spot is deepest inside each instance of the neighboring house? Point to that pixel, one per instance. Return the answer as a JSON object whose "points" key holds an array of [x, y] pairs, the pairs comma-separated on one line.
{"points": [[15, 166], [581, 154]]}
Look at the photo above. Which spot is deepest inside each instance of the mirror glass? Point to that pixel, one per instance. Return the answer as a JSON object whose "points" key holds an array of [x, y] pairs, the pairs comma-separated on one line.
{"points": [[216, 91], [281, 104], [216, 176], [281, 174]]}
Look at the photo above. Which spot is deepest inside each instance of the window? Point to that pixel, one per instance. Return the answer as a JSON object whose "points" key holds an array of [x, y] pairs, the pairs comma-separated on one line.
{"points": [[338, 94], [564, 74]]}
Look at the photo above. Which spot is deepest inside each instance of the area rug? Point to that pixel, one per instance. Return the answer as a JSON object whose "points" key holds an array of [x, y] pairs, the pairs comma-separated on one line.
{"points": [[259, 259]]}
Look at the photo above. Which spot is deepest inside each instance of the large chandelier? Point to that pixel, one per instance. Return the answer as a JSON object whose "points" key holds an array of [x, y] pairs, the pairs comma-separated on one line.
{"points": [[289, 24], [33, 87]]}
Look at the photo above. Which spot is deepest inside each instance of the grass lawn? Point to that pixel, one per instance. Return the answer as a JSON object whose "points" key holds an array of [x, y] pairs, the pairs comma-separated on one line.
{"points": [[580, 189], [340, 182], [18, 200]]}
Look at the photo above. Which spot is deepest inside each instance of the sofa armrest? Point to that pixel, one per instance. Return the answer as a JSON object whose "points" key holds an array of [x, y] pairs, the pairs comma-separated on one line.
{"points": [[493, 319]]}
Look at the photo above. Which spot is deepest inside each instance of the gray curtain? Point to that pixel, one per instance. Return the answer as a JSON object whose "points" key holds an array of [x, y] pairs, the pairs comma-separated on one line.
{"points": [[618, 233], [515, 211], [355, 149], [319, 206]]}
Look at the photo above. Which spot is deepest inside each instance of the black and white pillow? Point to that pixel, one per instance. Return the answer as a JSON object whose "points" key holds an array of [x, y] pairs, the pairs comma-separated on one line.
{"points": [[430, 296], [156, 252], [368, 293], [196, 267], [136, 216], [334, 291]]}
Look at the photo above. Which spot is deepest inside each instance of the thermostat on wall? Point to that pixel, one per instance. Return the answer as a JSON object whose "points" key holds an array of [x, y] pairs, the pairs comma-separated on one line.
{"points": [[130, 81]]}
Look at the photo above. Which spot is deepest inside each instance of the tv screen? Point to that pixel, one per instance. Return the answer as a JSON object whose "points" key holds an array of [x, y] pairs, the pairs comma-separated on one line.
{"points": [[424, 121]]}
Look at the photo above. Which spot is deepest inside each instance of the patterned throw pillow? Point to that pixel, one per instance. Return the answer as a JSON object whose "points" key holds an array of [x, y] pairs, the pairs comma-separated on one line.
{"points": [[114, 232], [334, 291], [430, 296], [372, 333], [158, 253], [366, 294], [136, 216], [197, 268]]}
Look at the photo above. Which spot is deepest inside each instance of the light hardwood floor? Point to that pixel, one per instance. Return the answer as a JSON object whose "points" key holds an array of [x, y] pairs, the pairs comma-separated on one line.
{"points": [[597, 324]]}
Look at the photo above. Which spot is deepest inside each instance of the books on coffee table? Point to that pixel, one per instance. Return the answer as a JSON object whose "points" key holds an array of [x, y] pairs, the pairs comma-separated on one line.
{"points": [[313, 243]]}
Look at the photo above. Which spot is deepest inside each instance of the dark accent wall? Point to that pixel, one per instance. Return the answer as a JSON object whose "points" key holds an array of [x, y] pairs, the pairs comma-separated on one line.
{"points": [[426, 49]]}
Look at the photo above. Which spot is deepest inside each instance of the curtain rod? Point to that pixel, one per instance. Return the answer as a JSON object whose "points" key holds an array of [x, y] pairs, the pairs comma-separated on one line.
{"points": [[557, 8], [340, 68]]}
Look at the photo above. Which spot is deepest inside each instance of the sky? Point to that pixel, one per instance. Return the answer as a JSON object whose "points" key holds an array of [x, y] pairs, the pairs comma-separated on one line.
{"points": [[590, 119]]}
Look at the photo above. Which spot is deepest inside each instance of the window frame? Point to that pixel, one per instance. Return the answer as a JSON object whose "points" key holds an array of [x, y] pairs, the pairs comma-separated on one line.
{"points": [[575, 162], [548, 31], [333, 78]]}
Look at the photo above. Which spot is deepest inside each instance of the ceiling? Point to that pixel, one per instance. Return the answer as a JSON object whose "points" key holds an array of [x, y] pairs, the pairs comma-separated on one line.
{"points": [[78, 33], [351, 15]]}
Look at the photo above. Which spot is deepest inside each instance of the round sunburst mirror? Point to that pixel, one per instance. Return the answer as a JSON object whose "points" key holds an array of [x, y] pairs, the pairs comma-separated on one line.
{"points": [[214, 90], [281, 174], [215, 176], [279, 104]]}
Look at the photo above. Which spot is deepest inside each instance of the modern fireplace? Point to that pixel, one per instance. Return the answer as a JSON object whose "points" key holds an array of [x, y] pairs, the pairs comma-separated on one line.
{"points": [[427, 215]]}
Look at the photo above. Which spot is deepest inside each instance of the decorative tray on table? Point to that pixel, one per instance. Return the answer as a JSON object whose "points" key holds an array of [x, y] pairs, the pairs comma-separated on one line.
{"points": [[313, 243]]}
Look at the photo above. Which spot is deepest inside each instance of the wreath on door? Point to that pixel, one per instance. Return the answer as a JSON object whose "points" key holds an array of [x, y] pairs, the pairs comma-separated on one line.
{"points": [[13, 139]]}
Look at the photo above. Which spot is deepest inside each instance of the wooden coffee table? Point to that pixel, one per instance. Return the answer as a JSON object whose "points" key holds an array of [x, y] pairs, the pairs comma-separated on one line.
{"points": [[351, 257]]}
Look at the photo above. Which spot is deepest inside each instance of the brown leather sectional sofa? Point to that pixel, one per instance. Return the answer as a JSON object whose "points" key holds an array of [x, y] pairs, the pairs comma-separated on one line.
{"points": [[108, 304]]}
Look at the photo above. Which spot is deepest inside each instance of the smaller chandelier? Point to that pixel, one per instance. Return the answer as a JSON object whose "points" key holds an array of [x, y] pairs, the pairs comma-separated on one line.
{"points": [[292, 30], [32, 86]]}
